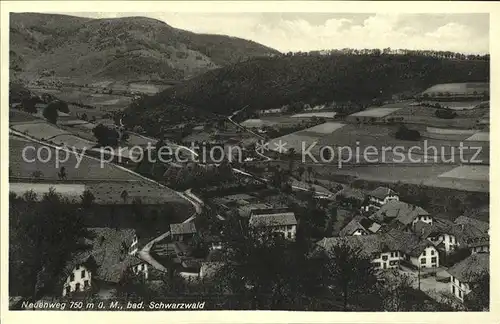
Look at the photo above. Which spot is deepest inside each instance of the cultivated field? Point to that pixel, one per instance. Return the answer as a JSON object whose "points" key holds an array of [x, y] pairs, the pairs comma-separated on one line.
{"points": [[87, 170], [469, 172], [324, 114], [72, 191], [72, 141], [41, 130], [375, 112], [257, 123], [459, 88], [479, 137]]}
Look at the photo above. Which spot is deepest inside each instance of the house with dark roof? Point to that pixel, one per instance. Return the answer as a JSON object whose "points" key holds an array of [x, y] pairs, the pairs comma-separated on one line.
{"points": [[281, 222], [401, 215], [382, 195], [109, 254], [467, 272], [360, 225], [182, 231], [447, 236], [389, 249]]}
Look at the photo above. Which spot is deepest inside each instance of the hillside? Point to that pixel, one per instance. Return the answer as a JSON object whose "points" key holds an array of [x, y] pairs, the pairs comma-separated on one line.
{"points": [[271, 82], [129, 49]]}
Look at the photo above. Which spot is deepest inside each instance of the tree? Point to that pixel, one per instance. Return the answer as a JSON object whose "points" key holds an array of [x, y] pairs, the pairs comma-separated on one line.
{"points": [[478, 299], [36, 175], [62, 173], [87, 198], [300, 171], [43, 237], [124, 196], [397, 291], [59, 105], [50, 113], [106, 136], [84, 116], [350, 273]]}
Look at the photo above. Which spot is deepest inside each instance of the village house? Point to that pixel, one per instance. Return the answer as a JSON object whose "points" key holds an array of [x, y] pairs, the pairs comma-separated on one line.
{"points": [[182, 231], [466, 272], [390, 250], [448, 236], [401, 215], [110, 253], [360, 225], [380, 196], [278, 222]]}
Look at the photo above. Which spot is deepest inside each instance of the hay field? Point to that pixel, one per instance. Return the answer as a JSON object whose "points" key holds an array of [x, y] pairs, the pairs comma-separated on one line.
{"points": [[375, 112], [469, 172], [41, 130], [324, 114]]}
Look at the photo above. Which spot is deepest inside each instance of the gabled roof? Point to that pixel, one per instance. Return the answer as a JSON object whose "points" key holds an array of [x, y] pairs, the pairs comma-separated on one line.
{"points": [[393, 240], [360, 222], [469, 269], [349, 192], [382, 192], [402, 212], [182, 228], [107, 254], [468, 221], [267, 220]]}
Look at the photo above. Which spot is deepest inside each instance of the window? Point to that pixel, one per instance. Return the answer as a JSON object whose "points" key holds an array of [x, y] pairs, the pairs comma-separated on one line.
{"points": [[72, 277], [460, 293], [83, 273], [68, 290], [77, 287], [384, 258], [86, 284], [423, 253], [432, 252], [433, 265], [422, 261], [433, 260], [289, 235], [453, 289], [392, 254], [376, 264]]}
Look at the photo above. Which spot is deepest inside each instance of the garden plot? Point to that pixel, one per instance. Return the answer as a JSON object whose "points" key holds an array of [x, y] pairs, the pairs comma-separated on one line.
{"points": [[469, 172], [257, 123], [324, 114], [140, 140], [41, 130], [72, 141], [45, 162], [322, 129], [72, 191], [479, 137], [375, 112], [291, 141]]}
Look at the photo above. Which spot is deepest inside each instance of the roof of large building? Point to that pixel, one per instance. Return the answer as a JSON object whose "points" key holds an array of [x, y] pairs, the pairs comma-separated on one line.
{"points": [[382, 192], [353, 193], [376, 243], [483, 226], [107, 254], [360, 222], [268, 220], [468, 270], [403, 212], [182, 228]]}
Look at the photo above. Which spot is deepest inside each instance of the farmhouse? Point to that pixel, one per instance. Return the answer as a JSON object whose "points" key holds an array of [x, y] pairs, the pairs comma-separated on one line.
{"points": [[110, 254], [390, 249], [360, 226], [465, 273], [182, 231], [446, 236], [381, 196], [401, 215], [281, 222]]}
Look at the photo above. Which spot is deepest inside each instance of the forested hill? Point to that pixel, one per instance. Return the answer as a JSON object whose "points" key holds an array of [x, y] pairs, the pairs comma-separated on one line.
{"points": [[272, 82], [117, 49]]}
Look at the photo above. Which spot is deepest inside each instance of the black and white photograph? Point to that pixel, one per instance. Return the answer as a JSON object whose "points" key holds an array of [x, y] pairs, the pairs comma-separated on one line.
{"points": [[273, 161]]}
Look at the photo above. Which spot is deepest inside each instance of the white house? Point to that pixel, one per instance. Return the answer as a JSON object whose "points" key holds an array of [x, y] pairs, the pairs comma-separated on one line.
{"points": [[381, 196], [466, 272], [110, 254], [401, 215], [281, 222], [389, 249]]}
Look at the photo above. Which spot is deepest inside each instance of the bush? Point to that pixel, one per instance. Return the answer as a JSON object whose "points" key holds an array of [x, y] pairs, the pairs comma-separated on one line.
{"points": [[106, 136], [405, 133], [445, 113]]}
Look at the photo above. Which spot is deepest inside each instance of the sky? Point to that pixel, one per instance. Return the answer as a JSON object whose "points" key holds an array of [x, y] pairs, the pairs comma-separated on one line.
{"points": [[466, 33]]}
